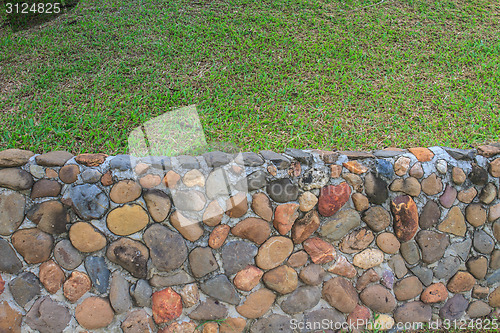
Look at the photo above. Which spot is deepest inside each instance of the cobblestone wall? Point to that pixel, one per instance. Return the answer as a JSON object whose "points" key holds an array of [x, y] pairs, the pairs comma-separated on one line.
{"points": [[250, 242]]}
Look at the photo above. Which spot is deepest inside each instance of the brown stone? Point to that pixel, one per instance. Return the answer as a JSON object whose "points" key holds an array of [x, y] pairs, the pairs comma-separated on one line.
{"points": [[189, 229], [422, 154], [232, 325], [355, 181], [405, 215], [213, 214], [94, 313], [466, 196], [488, 193], [10, 319], [416, 170], [167, 305], [14, 157], [85, 238], [407, 288], [320, 251], [51, 276], [171, 179], [448, 197], [454, 223], [51, 173], [33, 244], [369, 276], [494, 298], [256, 304], [107, 179], [401, 165], [305, 227], [494, 168], [368, 258], [377, 218], [69, 173], [360, 201], [494, 213], [202, 261], [237, 205], [461, 282], [158, 204], [138, 321], [343, 267], [272, 170], [131, 255], [252, 228], [332, 198], [478, 309], [434, 293], [432, 185], [261, 205], [307, 201], [340, 294], [356, 241], [194, 178], [488, 150], [298, 259], [150, 181], [312, 274], [388, 243], [91, 160], [76, 286], [284, 217], [458, 175], [335, 170], [127, 219], [50, 216], [409, 185], [475, 214], [432, 244], [184, 327], [218, 236], [378, 299], [282, 279], [248, 278], [45, 188], [478, 266], [210, 327], [359, 317], [125, 191], [355, 167], [273, 252], [480, 292]]}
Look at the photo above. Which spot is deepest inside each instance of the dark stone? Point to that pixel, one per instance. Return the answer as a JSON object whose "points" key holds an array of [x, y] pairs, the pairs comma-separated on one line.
{"points": [[253, 181], [9, 262], [282, 190], [478, 175], [302, 299], [50, 216], [121, 162], [483, 243], [461, 249], [98, 271], [461, 154], [314, 178], [202, 261], [275, 323], [424, 274], [161, 241], [430, 215], [219, 287], [48, 316], [385, 168], [250, 159], [279, 160], [376, 189], [89, 201], [188, 162], [454, 307], [131, 255], [300, 155], [24, 288], [216, 159], [45, 188], [432, 244], [211, 309], [237, 255]]}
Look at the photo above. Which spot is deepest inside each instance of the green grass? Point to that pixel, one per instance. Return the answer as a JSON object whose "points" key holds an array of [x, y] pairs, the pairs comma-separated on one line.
{"points": [[263, 74]]}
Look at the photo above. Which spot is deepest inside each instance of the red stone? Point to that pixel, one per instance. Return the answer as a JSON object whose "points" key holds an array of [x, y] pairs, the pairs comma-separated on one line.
{"points": [[359, 317], [218, 236], [167, 305], [91, 160], [332, 198], [320, 251], [305, 227], [405, 215], [284, 217]]}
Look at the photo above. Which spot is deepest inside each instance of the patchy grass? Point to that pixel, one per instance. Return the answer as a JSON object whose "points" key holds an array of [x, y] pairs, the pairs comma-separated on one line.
{"points": [[264, 74]]}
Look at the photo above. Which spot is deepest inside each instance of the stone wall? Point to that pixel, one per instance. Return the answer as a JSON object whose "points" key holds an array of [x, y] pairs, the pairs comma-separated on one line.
{"points": [[248, 242]]}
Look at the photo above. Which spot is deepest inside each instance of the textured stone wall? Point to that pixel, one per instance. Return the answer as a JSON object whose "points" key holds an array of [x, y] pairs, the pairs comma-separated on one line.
{"points": [[248, 242]]}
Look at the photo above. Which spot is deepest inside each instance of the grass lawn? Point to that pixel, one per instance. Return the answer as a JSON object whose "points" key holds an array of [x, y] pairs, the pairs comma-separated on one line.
{"points": [[264, 74]]}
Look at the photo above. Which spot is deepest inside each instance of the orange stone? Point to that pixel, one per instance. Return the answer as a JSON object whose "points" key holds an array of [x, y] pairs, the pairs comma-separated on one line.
{"points": [[405, 215], [76, 286], [434, 293], [91, 160], [232, 325], [298, 259], [51, 173], [332, 198], [218, 236], [461, 282], [422, 154], [237, 205], [167, 305], [320, 251], [10, 319], [252, 228], [171, 179], [284, 217], [257, 303], [150, 181], [355, 167], [51, 276], [248, 278]]}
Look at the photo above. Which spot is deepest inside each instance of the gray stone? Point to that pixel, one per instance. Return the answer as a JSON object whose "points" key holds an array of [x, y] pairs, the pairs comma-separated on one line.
{"points": [[211, 309], [24, 288], [413, 312], [430, 215], [460, 154], [141, 293], [174, 279], [454, 307], [217, 184], [219, 287], [385, 168], [53, 158], [447, 267], [432, 244], [98, 271], [188, 162], [461, 249], [15, 179], [410, 252], [300, 155], [48, 316], [282, 190], [12, 205], [121, 162], [37, 171], [340, 224], [91, 176], [376, 189], [387, 153], [478, 309], [236, 255], [279, 160], [302, 299], [275, 323], [493, 278], [119, 295], [424, 274], [317, 316], [202, 261], [89, 201], [314, 178], [483, 242], [167, 248], [253, 181], [388, 278], [66, 255], [250, 159], [397, 264], [488, 193], [216, 159], [190, 200], [9, 262]]}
